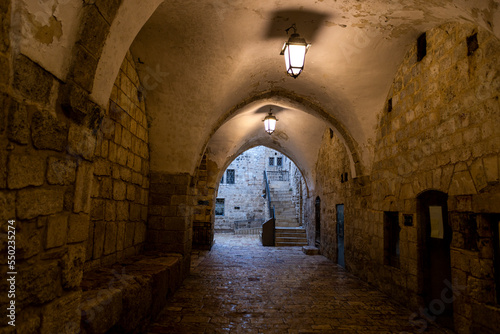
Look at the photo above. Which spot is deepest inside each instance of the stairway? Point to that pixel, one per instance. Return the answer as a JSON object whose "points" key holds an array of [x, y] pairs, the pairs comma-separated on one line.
{"points": [[290, 236], [281, 199]]}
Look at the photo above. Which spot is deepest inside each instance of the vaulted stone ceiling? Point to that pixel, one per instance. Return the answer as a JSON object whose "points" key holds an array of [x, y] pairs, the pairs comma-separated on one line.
{"points": [[205, 63], [212, 55]]}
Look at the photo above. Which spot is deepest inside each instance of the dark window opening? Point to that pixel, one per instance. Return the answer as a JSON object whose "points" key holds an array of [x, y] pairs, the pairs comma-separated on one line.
{"points": [[389, 105], [495, 224], [230, 176], [421, 47], [469, 230], [408, 220], [219, 207], [271, 161], [472, 44], [346, 177], [391, 238], [222, 179], [279, 161], [236, 207], [331, 133], [342, 178]]}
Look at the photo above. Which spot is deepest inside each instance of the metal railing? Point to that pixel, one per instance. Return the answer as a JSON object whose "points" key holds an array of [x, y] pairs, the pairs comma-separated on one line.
{"points": [[268, 196], [268, 228], [278, 175]]}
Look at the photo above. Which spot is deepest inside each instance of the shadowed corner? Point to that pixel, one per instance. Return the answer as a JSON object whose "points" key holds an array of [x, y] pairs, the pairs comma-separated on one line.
{"points": [[308, 23], [264, 110]]}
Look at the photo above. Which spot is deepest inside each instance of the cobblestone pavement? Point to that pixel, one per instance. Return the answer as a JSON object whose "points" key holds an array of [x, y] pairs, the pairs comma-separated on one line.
{"points": [[243, 287]]}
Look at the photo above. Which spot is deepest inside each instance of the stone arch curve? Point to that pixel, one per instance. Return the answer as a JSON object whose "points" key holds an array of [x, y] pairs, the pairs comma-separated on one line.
{"points": [[286, 98], [251, 145]]}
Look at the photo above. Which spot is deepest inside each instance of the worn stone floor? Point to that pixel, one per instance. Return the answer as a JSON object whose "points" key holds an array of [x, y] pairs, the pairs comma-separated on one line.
{"points": [[243, 287]]}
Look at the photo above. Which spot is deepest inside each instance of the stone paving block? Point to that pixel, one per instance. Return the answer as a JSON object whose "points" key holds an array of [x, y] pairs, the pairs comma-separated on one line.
{"points": [[241, 286]]}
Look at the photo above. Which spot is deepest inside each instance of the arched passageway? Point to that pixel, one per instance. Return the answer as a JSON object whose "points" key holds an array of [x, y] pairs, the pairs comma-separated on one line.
{"points": [[117, 119]]}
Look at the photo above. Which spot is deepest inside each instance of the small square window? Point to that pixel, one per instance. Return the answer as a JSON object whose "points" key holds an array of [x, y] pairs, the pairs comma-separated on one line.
{"points": [[230, 176], [279, 161], [271, 161], [391, 238], [219, 207]]}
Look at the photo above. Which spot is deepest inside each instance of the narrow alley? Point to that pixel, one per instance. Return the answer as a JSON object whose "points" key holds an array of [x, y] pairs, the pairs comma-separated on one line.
{"points": [[242, 287]]}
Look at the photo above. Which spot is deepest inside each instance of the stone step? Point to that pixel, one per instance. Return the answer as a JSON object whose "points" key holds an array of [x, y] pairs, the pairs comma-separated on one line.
{"points": [[291, 240], [290, 244]]}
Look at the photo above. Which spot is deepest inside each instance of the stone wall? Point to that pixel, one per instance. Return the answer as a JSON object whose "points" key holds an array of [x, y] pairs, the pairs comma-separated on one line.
{"points": [[45, 173], [243, 199], [170, 215], [438, 131], [120, 174]]}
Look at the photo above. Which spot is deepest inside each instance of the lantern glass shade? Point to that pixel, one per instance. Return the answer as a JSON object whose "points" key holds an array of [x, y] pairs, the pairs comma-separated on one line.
{"points": [[294, 52], [270, 123]]}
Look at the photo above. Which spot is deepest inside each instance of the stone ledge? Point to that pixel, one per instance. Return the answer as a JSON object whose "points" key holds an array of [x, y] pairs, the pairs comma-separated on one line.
{"points": [[124, 297], [310, 250]]}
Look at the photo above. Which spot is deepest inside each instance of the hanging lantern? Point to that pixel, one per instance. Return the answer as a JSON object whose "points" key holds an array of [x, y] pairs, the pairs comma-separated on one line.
{"points": [[270, 122], [295, 50]]}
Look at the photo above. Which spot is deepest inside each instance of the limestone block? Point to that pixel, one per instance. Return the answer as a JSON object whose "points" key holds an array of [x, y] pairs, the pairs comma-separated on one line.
{"points": [[490, 164], [47, 132], [81, 142], [110, 213], [131, 192], [137, 163], [101, 309], [25, 170], [34, 202], [481, 290], [137, 299], [90, 242], [57, 227], [28, 321], [99, 234], [84, 68], [110, 239], [106, 188], [112, 152], [78, 228], [120, 235], [478, 174], [32, 81], [121, 156], [72, 266], [122, 210], [61, 315], [129, 234], [97, 209], [29, 240], [83, 187], [102, 167], [130, 159], [135, 212], [3, 168], [18, 129], [7, 206], [462, 184], [105, 149], [140, 233], [61, 171], [39, 283], [119, 190], [126, 138]]}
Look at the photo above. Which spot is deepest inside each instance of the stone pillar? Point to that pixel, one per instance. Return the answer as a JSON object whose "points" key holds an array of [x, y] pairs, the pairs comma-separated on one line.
{"points": [[170, 215]]}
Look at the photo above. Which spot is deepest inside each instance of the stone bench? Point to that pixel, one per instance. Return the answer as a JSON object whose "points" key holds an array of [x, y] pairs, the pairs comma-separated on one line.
{"points": [[125, 297]]}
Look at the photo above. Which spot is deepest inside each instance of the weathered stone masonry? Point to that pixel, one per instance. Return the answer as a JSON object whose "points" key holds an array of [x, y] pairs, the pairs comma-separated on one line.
{"points": [[441, 134]]}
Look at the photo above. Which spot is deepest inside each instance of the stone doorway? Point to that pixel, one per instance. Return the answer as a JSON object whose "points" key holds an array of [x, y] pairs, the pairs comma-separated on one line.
{"points": [[436, 235], [317, 218]]}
